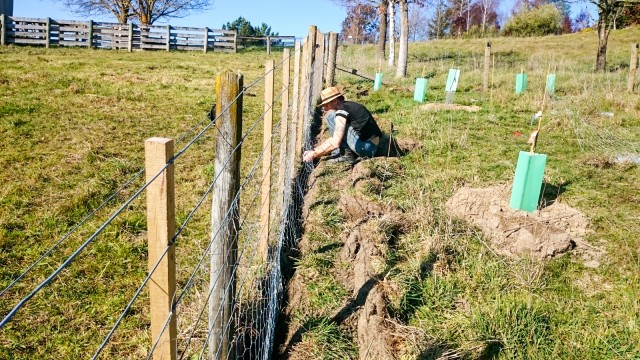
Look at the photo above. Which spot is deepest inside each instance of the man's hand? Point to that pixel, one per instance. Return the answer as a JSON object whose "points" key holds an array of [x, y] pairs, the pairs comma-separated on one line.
{"points": [[308, 156]]}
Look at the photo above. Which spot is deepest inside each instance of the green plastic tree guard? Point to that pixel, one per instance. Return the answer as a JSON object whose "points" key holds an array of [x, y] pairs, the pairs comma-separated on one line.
{"points": [[521, 83], [420, 93], [551, 84], [378, 82], [452, 80], [527, 182]]}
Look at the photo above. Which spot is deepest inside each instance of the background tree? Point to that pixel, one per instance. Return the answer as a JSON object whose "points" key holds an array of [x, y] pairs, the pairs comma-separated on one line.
{"points": [[582, 21], [608, 11], [418, 23], [539, 21], [361, 23], [382, 35], [438, 24], [403, 51], [144, 12], [120, 9]]}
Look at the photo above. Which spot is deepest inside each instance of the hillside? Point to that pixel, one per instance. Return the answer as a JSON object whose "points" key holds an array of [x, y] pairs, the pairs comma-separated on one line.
{"points": [[392, 263], [421, 257]]}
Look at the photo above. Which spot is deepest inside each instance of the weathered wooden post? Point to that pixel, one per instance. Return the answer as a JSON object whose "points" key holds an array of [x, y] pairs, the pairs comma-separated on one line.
{"points": [[168, 37], [268, 45], [487, 67], [160, 230], [206, 40], [633, 67], [130, 44], [284, 128], [308, 52], [294, 108], [225, 215], [331, 61], [47, 42], [90, 34], [266, 160], [235, 42], [3, 29]]}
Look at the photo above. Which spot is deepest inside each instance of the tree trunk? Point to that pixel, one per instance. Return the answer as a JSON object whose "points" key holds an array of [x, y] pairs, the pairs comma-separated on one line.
{"points": [[401, 70], [392, 29], [603, 38], [382, 37]]}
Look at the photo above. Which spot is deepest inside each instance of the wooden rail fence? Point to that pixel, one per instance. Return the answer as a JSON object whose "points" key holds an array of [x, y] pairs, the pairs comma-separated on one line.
{"points": [[105, 35]]}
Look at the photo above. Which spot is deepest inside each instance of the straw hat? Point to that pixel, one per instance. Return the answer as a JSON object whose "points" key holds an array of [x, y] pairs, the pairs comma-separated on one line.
{"points": [[328, 94]]}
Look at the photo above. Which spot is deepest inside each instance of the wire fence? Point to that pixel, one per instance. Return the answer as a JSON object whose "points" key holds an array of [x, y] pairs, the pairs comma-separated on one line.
{"points": [[229, 308]]}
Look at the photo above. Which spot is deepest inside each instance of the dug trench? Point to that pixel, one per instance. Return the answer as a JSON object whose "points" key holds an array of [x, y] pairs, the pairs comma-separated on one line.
{"points": [[349, 233]]}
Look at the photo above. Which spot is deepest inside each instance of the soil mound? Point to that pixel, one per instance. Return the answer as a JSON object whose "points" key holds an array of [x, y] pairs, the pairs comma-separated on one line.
{"points": [[545, 233]]}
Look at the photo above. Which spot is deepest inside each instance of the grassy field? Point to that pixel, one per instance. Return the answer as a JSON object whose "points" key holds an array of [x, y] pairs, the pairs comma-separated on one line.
{"points": [[442, 279], [74, 124]]}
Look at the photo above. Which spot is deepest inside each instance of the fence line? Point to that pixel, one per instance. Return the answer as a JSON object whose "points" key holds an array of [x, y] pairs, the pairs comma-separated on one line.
{"points": [[107, 35], [243, 317]]}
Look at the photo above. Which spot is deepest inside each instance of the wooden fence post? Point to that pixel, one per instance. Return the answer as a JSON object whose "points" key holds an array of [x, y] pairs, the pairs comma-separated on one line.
{"points": [[160, 230], [206, 40], [305, 73], [633, 66], [487, 67], [225, 215], [3, 29], [294, 108], [331, 61], [268, 45], [266, 160], [168, 37], [130, 44], [48, 33], [235, 42], [90, 34], [284, 117]]}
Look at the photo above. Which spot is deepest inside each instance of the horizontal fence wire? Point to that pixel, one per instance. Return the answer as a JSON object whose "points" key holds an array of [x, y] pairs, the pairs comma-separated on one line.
{"points": [[90, 216]]}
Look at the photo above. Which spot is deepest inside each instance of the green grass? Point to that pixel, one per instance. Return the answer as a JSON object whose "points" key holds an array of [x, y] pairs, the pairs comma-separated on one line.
{"points": [[74, 124]]}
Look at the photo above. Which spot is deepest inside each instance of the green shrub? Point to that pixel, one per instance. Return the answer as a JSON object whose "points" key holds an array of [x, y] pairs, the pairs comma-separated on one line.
{"points": [[539, 21]]}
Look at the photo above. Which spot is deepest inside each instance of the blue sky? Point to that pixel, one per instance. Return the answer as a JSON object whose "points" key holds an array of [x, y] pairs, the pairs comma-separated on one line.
{"points": [[287, 17]]}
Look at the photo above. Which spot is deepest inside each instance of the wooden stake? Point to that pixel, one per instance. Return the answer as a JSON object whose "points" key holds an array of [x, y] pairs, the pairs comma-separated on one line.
{"points": [[284, 117], [168, 37], [487, 65], [268, 45], [293, 131], [225, 215], [331, 62], [265, 206], [304, 94], [160, 231], [3, 29], [90, 34], [130, 45], [633, 66], [206, 40], [48, 33]]}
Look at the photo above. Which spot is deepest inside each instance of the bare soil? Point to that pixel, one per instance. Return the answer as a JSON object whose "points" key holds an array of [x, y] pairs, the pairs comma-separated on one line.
{"points": [[544, 233], [370, 229]]}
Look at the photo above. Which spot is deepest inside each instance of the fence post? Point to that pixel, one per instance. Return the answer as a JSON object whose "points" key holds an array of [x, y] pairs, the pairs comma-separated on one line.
{"points": [[235, 42], [268, 45], [266, 160], [294, 108], [487, 67], [206, 39], [225, 215], [160, 230], [305, 73], [331, 61], [3, 29], [633, 66], [130, 44], [47, 42], [284, 117], [90, 34], [168, 37]]}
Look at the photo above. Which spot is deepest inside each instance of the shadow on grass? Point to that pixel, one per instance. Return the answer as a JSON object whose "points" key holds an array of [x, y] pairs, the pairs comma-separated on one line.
{"points": [[551, 192]]}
